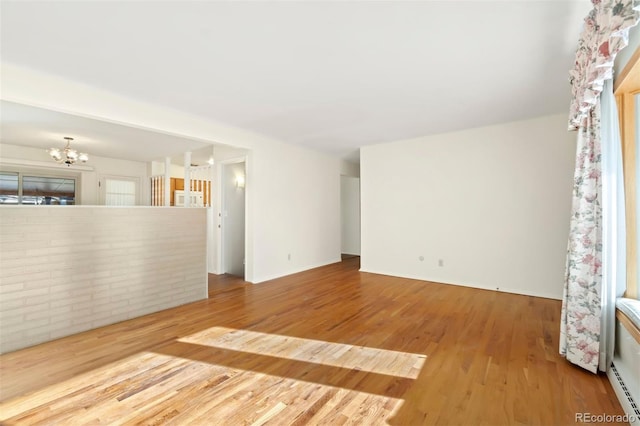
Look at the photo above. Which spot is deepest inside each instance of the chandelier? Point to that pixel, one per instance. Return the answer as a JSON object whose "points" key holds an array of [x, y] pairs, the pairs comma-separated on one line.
{"points": [[67, 155]]}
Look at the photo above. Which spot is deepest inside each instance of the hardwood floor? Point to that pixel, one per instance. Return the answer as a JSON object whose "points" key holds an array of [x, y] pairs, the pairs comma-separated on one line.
{"points": [[326, 346]]}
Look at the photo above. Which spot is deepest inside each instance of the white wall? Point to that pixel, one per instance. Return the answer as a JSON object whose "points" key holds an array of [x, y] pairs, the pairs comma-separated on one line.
{"points": [[88, 182], [293, 193], [71, 269], [295, 196], [493, 203], [350, 214]]}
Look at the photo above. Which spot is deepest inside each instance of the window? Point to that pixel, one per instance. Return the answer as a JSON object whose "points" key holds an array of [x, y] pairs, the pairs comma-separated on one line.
{"points": [[30, 188], [8, 188], [627, 91]]}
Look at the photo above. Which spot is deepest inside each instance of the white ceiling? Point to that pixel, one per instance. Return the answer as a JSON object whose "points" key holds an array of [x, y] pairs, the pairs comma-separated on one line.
{"points": [[42, 128], [330, 75]]}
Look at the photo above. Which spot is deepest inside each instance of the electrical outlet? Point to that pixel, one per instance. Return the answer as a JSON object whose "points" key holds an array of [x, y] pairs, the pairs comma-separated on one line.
{"points": [[440, 262], [289, 256], [421, 258]]}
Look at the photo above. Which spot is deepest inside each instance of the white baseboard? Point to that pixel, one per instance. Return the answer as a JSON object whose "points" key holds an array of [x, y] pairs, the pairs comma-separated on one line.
{"points": [[472, 285], [265, 278]]}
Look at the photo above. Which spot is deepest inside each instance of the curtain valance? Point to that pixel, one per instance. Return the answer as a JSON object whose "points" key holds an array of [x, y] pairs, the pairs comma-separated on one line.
{"points": [[605, 33]]}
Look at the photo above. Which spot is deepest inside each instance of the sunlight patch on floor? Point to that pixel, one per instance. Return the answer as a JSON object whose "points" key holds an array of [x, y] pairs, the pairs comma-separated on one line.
{"points": [[243, 376], [110, 376], [129, 391], [374, 360]]}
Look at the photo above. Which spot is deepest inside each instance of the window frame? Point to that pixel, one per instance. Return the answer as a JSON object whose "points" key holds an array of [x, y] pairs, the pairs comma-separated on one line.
{"points": [[626, 88], [35, 172]]}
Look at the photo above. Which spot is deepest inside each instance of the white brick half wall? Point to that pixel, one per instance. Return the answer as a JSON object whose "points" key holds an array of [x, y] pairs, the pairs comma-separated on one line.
{"points": [[64, 270]]}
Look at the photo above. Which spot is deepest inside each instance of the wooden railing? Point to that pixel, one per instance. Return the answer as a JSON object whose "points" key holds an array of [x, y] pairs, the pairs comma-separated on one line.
{"points": [[200, 182]]}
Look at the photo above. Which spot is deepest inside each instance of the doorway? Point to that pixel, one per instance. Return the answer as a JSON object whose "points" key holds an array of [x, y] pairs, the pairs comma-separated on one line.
{"points": [[233, 218], [350, 215]]}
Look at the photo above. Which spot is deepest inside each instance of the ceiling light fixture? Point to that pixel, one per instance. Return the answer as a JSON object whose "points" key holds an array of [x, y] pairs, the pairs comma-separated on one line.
{"points": [[67, 155]]}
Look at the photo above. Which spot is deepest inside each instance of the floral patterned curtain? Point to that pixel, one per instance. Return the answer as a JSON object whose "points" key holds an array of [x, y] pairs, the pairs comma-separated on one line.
{"points": [[580, 328], [605, 34]]}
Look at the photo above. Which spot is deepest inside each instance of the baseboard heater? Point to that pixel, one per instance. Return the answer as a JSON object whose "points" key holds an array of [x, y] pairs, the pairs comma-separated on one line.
{"points": [[624, 372], [629, 405]]}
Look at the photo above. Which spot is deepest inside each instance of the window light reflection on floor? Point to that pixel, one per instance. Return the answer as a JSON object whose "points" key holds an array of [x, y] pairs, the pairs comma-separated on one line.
{"points": [[374, 360]]}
